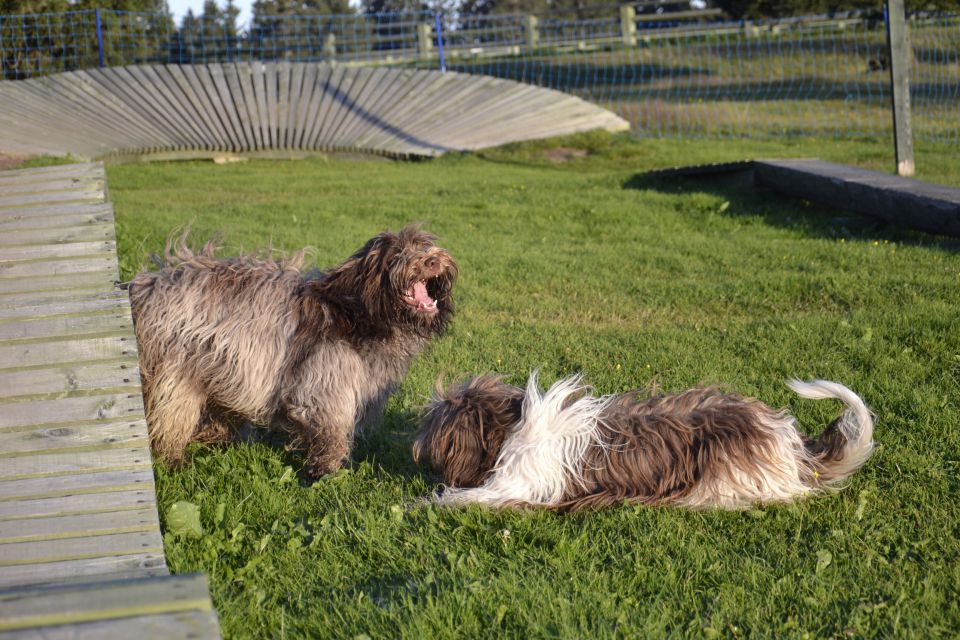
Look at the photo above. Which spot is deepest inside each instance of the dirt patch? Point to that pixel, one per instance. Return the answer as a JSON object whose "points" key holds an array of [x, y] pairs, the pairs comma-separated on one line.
{"points": [[564, 154], [8, 161]]}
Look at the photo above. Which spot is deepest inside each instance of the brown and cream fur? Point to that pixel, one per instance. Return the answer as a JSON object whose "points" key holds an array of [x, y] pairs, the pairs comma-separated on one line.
{"points": [[256, 339], [503, 446]]}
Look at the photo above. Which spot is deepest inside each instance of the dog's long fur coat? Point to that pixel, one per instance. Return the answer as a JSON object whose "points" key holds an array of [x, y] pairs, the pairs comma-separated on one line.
{"points": [[248, 338], [503, 446]]}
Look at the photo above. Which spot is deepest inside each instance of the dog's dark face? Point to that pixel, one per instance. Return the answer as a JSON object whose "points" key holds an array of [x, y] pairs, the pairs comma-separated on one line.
{"points": [[420, 272], [464, 426], [395, 279]]}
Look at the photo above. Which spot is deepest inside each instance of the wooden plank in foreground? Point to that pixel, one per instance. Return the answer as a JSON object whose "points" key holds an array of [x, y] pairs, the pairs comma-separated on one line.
{"points": [[162, 607], [81, 554]]}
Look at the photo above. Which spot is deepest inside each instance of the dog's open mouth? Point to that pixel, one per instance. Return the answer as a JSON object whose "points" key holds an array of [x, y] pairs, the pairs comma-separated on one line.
{"points": [[419, 298]]}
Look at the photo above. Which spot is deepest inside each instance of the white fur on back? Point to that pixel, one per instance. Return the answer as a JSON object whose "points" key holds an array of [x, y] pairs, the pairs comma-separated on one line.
{"points": [[543, 456]]}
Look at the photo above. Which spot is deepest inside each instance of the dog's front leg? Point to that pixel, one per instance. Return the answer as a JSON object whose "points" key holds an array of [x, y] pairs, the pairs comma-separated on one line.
{"points": [[325, 436]]}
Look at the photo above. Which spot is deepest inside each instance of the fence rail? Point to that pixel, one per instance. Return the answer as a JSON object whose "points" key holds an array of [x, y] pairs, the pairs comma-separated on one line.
{"points": [[688, 73]]}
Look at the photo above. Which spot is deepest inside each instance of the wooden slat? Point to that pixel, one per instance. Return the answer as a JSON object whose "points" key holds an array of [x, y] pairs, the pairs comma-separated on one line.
{"points": [[40, 174], [145, 561], [59, 235], [180, 624], [96, 499], [199, 102], [67, 328], [73, 461], [257, 78], [44, 414], [27, 200], [78, 525], [45, 268], [81, 548], [16, 290], [327, 79], [25, 222], [129, 488], [225, 102], [33, 354], [56, 211], [105, 601], [73, 249], [307, 92], [269, 87], [43, 440], [99, 303]]}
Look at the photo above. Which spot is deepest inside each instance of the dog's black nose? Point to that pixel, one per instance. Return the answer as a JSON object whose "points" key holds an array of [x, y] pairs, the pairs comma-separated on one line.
{"points": [[432, 263]]}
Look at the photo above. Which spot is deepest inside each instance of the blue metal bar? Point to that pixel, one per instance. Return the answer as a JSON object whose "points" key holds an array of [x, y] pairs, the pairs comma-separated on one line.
{"points": [[99, 38], [439, 23]]}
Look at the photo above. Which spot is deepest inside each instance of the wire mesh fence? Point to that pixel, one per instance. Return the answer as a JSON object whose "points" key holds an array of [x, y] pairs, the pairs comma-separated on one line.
{"points": [[687, 73]]}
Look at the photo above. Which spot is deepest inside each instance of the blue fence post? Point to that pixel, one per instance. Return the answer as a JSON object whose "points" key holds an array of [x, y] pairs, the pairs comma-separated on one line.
{"points": [[99, 37], [439, 24]]}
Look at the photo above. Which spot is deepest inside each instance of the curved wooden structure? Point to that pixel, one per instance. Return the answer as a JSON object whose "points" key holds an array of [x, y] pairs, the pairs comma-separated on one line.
{"points": [[236, 108]]}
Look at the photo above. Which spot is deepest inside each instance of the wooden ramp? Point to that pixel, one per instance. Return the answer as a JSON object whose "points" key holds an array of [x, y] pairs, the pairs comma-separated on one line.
{"points": [[217, 109], [81, 553], [905, 202]]}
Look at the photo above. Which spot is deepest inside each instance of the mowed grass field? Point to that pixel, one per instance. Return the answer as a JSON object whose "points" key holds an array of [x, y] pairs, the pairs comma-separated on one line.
{"points": [[586, 266]]}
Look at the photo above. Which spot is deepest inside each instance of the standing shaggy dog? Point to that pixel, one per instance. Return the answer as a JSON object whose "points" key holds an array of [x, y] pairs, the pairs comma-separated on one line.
{"points": [[503, 446], [256, 339]]}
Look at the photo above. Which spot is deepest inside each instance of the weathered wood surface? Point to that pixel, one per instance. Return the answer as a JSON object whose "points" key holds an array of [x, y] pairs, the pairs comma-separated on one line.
{"points": [[77, 499], [230, 108], [902, 201], [114, 609], [905, 202]]}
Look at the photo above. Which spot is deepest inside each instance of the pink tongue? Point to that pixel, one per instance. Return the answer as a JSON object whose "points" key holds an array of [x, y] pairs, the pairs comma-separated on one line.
{"points": [[420, 294]]}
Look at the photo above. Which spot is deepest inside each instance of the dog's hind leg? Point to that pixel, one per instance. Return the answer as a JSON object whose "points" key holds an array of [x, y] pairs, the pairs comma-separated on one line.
{"points": [[174, 404]]}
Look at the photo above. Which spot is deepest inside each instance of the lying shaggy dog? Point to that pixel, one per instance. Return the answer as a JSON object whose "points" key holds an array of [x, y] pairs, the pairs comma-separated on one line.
{"points": [[257, 339], [502, 446]]}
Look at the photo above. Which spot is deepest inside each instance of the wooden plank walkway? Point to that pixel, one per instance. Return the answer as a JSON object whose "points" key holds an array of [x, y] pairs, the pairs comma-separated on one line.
{"points": [[80, 547], [905, 202], [294, 108]]}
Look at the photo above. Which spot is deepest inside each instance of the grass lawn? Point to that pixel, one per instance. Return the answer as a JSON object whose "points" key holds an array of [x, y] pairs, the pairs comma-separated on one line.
{"points": [[584, 266]]}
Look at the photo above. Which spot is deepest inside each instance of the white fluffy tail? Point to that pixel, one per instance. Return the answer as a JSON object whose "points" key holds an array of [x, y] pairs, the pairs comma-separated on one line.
{"points": [[855, 427]]}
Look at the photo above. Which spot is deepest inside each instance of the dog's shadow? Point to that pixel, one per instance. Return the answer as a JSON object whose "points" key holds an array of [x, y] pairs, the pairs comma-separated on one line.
{"points": [[387, 446], [742, 198]]}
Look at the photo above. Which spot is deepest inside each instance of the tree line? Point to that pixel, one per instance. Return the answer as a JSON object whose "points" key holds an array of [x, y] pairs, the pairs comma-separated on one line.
{"points": [[225, 12]]}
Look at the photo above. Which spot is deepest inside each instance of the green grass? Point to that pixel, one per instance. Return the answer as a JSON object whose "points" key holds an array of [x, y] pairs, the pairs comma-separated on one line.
{"points": [[583, 266]]}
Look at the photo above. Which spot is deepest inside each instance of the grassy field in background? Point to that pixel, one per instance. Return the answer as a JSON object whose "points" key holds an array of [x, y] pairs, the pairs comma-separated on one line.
{"points": [[586, 266]]}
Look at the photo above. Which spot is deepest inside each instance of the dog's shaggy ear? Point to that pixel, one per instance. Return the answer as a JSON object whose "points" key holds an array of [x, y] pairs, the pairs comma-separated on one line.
{"points": [[360, 287], [464, 428], [372, 273]]}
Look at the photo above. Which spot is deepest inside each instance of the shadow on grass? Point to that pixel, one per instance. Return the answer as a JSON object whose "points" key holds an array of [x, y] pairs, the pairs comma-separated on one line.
{"points": [[387, 446], [778, 210]]}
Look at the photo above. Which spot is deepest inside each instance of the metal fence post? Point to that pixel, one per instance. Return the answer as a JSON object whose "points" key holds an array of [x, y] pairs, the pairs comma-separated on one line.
{"points": [[899, 54], [439, 30], [628, 25], [533, 37], [99, 37]]}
